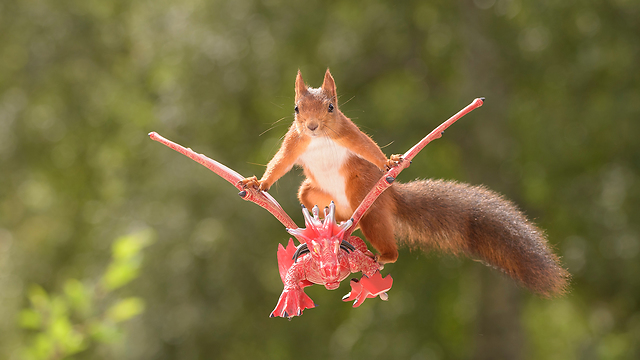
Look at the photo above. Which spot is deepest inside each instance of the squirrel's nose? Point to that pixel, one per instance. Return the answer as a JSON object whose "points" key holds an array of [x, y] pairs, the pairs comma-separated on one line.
{"points": [[312, 126]]}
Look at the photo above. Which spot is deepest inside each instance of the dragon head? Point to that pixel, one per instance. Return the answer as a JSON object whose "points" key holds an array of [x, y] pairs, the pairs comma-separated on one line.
{"points": [[323, 240]]}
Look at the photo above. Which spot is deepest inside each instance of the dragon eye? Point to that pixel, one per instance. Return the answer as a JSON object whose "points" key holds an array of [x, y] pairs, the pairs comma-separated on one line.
{"points": [[330, 107], [296, 109]]}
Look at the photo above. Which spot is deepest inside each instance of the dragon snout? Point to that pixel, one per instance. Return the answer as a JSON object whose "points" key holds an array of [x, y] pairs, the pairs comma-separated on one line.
{"points": [[332, 285], [330, 273]]}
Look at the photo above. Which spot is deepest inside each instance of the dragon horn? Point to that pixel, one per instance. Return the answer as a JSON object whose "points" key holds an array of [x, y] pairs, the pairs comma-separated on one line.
{"points": [[390, 176], [330, 216], [299, 234], [342, 229], [316, 213], [308, 220], [262, 198]]}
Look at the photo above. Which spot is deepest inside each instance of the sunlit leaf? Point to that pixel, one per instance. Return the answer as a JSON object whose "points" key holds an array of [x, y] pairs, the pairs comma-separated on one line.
{"points": [[43, 347], [125, 309], [30, 319], [39, 297], [77, 295], [120, 273], [130, 245], [105, 331]]}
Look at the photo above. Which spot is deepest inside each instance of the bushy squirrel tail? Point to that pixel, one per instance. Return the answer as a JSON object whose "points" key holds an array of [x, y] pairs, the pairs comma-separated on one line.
{"points": [[473, 220]]}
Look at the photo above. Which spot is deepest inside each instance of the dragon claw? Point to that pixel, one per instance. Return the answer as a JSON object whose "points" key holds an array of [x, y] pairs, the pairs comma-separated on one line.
{"points": [[292, 303], [369, 287]]}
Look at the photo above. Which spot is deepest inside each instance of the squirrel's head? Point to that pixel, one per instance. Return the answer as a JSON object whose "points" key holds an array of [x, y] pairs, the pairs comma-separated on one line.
{"points": [[316, 110]]}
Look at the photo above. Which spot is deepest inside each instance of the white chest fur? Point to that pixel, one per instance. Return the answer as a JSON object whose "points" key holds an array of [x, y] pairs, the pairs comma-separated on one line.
{"points": [[324, 158]]}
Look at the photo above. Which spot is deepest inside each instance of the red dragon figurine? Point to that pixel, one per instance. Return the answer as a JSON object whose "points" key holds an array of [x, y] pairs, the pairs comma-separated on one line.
{"points": [[319, 260], [327, 253]]}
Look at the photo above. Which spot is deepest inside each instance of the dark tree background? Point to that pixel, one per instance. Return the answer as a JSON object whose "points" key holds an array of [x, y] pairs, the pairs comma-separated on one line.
{"points": [[82, 82]]}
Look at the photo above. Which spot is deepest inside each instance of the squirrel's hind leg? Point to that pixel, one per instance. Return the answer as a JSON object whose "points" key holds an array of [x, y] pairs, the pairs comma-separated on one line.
{"points": [[377, 227]]}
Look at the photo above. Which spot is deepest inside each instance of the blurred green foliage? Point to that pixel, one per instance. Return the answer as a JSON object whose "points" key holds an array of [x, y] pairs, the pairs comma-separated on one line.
{"points": [[87, 313], [83, 82]]}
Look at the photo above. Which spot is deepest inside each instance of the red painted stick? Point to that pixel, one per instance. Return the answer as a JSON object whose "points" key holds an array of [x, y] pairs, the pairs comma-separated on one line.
{"points": [[261, 198], [390, 176]]}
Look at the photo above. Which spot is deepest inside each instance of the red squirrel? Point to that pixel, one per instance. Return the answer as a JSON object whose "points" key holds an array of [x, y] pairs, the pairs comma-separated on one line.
{"points": [[341, 164]]}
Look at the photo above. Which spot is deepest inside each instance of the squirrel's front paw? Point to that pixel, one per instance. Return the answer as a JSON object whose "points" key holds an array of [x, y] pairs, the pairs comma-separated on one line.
{"points": [[254, 183], [393, 161], [264, 186], [250, 182]]}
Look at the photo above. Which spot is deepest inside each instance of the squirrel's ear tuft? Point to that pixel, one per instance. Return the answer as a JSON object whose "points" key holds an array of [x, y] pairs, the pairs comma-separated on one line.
{"points": [[329, 87], [301, 88]]}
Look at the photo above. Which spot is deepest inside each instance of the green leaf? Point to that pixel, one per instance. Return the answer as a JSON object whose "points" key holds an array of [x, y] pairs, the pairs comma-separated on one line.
{"points": [[130, 245], [78, 295], [125, 309], [120, 273], [127, 259], [59, 308], [125, 247], [105, 332], [42, 348], [65, 339], [30, 319], [60, 328], [39, 298]]}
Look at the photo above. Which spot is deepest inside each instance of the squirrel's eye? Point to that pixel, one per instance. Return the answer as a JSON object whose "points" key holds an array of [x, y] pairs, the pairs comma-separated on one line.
{"points": [[330, 107], [296, 109]]}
